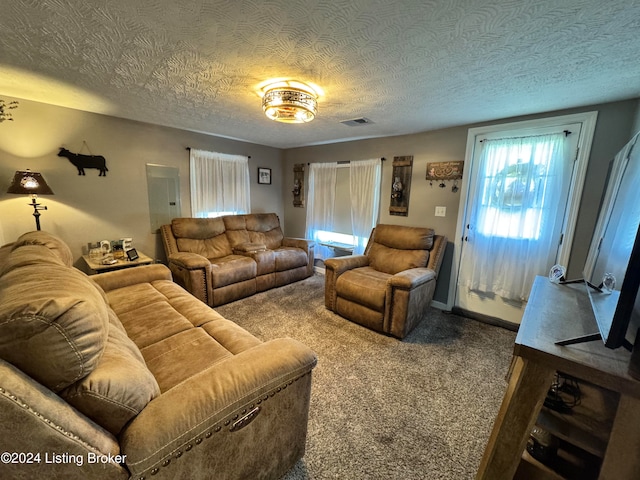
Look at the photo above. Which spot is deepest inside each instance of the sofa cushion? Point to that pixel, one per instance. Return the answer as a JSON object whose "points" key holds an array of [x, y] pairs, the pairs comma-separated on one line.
{"points": [[236, 230], [394, 250], [5, 250], [151, 322], [288, 258], [232, 269], [53, 319], [214, 247], [178, 357], [364, 286], [204, 236], [235, 222], [265, 228], [404, 238], [392, 261], [200, 228], [119, 387], [51, 242]]}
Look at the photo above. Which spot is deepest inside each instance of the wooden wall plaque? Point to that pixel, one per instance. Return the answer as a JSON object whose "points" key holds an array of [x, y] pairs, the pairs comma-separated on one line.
{"points": [[298, 185], [401, 185], [444, 170]]}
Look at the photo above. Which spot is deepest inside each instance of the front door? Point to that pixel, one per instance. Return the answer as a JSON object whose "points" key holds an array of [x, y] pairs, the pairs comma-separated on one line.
{"points": [[514, 217]]}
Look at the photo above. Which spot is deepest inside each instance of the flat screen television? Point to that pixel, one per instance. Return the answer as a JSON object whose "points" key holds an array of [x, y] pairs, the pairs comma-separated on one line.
{"points": [[612, 269]]}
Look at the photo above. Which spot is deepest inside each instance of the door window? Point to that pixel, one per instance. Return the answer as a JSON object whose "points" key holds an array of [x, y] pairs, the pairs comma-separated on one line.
{"points": [[514, 181]]}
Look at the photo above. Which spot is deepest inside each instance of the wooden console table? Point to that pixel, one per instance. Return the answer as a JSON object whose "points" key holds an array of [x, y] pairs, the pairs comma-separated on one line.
{"points": [[557, 312]]}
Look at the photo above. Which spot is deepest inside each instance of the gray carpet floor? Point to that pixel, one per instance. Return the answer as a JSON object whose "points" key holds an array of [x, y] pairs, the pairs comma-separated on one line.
{"points": [[421, 408]]}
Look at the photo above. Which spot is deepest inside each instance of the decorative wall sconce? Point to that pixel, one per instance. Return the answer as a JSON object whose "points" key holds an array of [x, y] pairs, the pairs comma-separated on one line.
{"points": [[4, 110], [30, 183]]}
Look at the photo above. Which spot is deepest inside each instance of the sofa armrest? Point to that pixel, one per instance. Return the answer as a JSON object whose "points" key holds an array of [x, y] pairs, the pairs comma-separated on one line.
{"points": [[305, 244], [409, 294], [334, 267], [193, 273], [302, 243], [213, 407], [437, 253], [412, 278], [132, 276], [189, 260], [339, 265], [249, 248], [33, 419]]}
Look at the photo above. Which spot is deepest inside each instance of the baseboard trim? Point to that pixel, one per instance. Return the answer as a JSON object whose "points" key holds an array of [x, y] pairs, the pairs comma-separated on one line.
{"points": [[439, 305], [498, 322], [320, 270]]}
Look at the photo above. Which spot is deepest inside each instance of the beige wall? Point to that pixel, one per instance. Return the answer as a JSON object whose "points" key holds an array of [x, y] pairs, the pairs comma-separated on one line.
{"points": [[92, 208], [613, 129]]}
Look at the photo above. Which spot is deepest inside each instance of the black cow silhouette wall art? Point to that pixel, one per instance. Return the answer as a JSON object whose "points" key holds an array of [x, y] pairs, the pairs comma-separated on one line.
{"points": [[85, 161]]}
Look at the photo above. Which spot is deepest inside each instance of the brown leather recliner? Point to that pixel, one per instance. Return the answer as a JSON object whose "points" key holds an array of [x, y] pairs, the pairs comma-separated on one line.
{"points": [[390, 287]]}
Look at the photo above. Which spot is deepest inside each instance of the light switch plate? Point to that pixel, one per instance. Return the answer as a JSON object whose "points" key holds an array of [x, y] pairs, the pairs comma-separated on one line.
{"points": [[441, 211]]}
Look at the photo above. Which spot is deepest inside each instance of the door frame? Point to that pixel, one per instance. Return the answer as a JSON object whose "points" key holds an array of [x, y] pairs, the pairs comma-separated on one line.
{"points": [[588, 121]]}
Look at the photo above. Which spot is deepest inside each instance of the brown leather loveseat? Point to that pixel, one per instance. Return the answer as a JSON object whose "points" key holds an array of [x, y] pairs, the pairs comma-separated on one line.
{"points": [[223, 259], [125, 375], [390, 287]]}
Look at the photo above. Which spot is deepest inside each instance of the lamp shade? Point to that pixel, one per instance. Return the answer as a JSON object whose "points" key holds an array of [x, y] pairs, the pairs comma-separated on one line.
{"points": [[29, 183]]}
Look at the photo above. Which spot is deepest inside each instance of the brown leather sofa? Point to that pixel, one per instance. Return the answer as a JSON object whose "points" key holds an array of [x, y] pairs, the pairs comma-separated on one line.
{"points": [[126, 375], [390, 287], [223, 259]]}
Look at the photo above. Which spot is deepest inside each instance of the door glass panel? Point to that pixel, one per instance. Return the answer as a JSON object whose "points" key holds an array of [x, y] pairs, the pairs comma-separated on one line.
{"points": [[513, 192]]}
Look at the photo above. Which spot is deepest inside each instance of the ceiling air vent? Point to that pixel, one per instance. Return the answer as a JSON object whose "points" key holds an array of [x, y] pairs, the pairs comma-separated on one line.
{"points": [[356, 122]]}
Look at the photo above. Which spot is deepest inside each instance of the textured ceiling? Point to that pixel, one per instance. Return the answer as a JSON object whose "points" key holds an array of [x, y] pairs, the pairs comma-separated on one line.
{"points": [[408, 65]]}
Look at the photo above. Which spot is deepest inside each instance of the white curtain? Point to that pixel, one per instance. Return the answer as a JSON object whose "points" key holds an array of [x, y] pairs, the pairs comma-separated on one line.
{"points": [[320, 206], [513, 226], [219, 184], [365, 200]]}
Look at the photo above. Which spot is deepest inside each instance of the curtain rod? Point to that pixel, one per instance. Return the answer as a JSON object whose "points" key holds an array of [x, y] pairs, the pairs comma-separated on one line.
{"points": [[566, 134], [189, 148], [344, 162]]}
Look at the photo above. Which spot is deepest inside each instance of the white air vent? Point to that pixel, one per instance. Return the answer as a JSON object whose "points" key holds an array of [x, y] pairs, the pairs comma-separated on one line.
{"points": [[356, 122]]}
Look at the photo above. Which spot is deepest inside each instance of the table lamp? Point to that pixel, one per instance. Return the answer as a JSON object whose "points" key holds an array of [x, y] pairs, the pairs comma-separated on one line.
{"points": [[31, 183]]}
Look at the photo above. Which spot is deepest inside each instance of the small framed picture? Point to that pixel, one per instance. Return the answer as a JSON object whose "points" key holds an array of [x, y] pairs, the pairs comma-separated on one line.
{"points": [[132, 254], [264, 175]]}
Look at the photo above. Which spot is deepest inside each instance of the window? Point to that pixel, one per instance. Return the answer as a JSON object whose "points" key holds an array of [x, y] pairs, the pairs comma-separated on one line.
{"points": [[515, 179], [219, 184], [346, 241], [355, 189]]}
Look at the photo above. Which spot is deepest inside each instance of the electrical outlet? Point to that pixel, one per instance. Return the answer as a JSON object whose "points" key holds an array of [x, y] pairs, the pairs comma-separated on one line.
{"points": [[441, 211]]}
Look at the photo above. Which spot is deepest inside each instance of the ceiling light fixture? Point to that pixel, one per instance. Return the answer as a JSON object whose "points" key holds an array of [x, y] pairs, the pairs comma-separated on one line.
{"points": [[290, 101]]}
